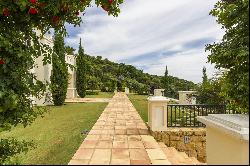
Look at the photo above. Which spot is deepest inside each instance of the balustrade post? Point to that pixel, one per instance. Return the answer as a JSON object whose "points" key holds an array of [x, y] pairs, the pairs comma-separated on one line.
{"points": [[157, 113]]}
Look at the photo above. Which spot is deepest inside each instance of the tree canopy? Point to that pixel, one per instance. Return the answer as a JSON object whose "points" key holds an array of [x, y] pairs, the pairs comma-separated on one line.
{"points": [[109, 75], [20, 46], [231, 54]]}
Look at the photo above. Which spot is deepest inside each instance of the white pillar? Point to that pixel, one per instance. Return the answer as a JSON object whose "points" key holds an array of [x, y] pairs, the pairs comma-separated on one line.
{"points": [[157, 113], [186, 98], [158, 92], [126, 90]]}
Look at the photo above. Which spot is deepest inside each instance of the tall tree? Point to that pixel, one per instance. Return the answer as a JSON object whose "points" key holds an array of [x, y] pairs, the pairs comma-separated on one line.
{"points": [[81, 77], [166, 82], [166, 71], [19, 48], [204, 77], [231, 54], [59, 76]]}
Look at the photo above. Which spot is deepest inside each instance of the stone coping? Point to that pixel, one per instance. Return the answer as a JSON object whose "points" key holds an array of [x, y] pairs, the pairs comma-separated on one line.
{"points": [[235, 125], [158, 99]]}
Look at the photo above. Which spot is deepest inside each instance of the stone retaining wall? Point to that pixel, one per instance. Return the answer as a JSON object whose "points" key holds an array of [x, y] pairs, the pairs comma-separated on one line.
{"points": [[195, 137]]}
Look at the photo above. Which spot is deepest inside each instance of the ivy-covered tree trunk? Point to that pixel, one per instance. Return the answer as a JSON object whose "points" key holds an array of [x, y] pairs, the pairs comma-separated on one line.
{"points": [[59, 76], [81, 80]]}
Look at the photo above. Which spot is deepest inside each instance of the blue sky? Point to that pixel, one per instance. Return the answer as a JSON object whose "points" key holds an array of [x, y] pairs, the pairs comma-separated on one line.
{"points": [[151, 34]]}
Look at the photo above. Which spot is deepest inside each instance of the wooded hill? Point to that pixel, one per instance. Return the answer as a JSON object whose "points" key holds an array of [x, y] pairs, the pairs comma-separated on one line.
{"points": [[105, 75]]}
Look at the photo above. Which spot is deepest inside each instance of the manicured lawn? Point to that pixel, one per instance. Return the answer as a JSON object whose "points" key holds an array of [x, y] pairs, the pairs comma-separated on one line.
{"points": [[101, 95], [141, 105], [58, 134]]}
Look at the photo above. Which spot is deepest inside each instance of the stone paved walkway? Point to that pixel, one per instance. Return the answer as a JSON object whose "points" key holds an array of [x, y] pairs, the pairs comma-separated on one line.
{"points": [[119, 137]]}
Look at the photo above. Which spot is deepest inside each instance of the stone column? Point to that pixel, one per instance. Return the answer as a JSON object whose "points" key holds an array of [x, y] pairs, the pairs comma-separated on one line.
{"points": [[227, 139], [184, 97], [126, 90], [158, 92], [157, 113]]}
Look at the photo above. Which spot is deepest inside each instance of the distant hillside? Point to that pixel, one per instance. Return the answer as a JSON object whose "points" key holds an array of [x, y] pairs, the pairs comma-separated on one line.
{"points": [[106, 75]]}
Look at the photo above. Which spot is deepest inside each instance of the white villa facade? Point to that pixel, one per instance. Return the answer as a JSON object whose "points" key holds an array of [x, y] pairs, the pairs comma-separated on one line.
{"points": [[43, 73]]}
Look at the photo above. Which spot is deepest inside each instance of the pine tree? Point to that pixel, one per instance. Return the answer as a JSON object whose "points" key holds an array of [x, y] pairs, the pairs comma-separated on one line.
{"points": [[59, 76], [81, 77]]}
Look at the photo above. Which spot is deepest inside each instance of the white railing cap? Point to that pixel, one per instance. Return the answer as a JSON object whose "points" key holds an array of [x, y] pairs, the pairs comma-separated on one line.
{"points": [[234, 124]]}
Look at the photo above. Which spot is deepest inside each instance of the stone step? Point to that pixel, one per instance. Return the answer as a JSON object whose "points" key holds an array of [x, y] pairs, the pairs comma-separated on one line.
{"points": [[178, 158]]}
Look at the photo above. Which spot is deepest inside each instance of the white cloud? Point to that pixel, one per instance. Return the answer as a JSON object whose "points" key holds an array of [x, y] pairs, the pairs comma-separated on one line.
{"points": [[146, 26]]}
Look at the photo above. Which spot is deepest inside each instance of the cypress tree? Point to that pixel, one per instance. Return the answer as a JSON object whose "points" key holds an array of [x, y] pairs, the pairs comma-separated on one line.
{"points": [[204, 77], [166, 81], [81, 81], [59, 76]]}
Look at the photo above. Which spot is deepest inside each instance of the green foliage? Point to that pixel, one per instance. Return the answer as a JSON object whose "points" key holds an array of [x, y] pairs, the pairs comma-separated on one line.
{"points": [[92, 92], [81, 72], [59, 76], [231, 55], [204, 77], [209, 92], [20, 46], [92, 82], [12, 147], [69, 50], [108, 75]]}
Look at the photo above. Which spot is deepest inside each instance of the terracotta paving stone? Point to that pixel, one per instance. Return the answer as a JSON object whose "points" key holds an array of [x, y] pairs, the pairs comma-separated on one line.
{"points": [[120, 162], [160, 162], [104, 144], [101, 156], [78, 162], [120, 144], [147, 138], [108, 127], [83, 154], [89, 144], [112, 132], [95, 132], [143, 132], [106, 137], [100, 123], [156, 154], [138, 154], [119, 137], [120, 154], [97, 127], [140, 162], [92, 137], [134, 138], [120, 127], [151, 144], [120, 131], [132, 132], [135, 145], [104, 132]]}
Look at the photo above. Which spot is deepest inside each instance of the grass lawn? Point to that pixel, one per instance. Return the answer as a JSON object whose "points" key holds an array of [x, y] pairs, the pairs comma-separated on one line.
{"points": [[58, 134], [141, 105], [101, 95]]}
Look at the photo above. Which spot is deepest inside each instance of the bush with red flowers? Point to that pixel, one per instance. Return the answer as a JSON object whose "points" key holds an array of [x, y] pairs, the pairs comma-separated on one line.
{"points": [[20, 46]]}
